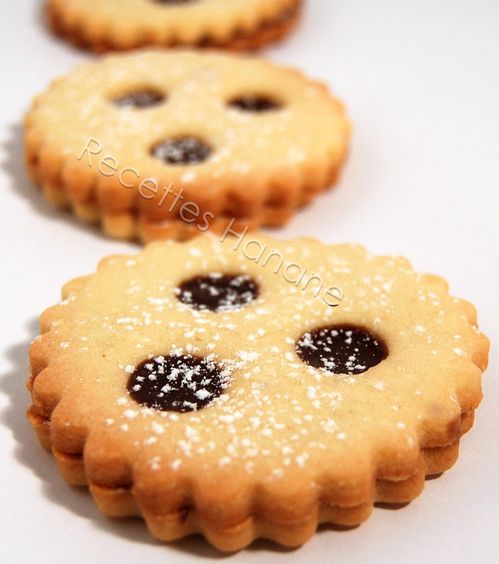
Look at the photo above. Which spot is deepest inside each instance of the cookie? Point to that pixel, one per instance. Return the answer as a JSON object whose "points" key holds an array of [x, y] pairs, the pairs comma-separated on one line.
{"points": [[170, 144], [244, 387], [103, 25]]}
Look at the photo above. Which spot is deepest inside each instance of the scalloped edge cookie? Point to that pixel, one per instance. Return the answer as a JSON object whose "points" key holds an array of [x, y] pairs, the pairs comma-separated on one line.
{"points": [[265, 195], [233, 512]]}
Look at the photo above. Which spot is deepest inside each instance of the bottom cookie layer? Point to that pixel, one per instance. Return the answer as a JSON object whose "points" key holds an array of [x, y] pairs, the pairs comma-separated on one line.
{"points": [[131, 226], [121, 502]]}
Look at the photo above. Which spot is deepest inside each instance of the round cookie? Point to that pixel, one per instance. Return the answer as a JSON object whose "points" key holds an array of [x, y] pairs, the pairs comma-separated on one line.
{"points": [[168, 144], [103, 25], [244, 387]]}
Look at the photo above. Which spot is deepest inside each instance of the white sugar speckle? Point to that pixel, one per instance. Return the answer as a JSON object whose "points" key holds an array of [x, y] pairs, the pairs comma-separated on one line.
{"points": [[176, 464]]}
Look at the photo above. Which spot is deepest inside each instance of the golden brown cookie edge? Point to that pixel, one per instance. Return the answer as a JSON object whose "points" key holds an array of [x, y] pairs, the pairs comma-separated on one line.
{"points": [[265, 33], [123, 498]]}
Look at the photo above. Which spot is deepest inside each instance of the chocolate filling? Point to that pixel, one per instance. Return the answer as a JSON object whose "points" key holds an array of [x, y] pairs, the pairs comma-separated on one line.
{"points": [[177, 383], [218, 292], [341, 349], [140, 99], [182, 150], [174, 2], [254, 103]]}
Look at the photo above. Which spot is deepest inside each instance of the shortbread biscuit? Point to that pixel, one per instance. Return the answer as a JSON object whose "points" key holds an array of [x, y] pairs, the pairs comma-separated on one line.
{"points": [[161, 144], [103, 25], [243, 388]]}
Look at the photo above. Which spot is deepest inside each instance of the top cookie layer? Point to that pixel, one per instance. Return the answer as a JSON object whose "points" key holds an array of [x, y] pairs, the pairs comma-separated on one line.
{"points": [[413, 362], [128, 24]]}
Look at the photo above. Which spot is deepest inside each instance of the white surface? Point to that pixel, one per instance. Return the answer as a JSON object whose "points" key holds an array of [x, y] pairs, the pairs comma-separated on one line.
{"points": [[422, 89]]}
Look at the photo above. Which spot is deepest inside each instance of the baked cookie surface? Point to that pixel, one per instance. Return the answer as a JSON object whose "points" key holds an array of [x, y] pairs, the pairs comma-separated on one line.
{"points": [[246, 387], [162, 144], [103, 25]]}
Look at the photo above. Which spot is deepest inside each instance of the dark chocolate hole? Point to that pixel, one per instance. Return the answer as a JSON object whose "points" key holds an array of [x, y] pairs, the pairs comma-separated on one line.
{"points": [[254, 103], [218, 292], [177, 383], [182, 150], [174, 2], [140, 99], [341, 349]]}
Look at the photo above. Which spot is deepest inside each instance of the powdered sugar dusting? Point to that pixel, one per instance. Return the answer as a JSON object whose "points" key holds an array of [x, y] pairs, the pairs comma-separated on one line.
{"points": [[274, 412]]}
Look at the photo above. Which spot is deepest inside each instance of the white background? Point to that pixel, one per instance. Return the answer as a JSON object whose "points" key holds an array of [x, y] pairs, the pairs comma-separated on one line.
{"points": [[422, 86]]}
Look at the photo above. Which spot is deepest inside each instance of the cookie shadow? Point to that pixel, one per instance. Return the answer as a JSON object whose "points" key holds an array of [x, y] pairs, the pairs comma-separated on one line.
{"points": [[14, 166], [391, 506]]}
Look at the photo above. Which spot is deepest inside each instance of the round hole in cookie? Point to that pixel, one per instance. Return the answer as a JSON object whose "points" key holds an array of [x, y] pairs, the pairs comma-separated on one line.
{"points": [[341, 349], [182, 150], [218, 292], [179, 383], [140, 98], [256, 103], [174, 2]]}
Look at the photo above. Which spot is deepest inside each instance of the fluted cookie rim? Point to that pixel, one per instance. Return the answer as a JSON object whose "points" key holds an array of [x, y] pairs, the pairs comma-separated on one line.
{"points": [[69, 184], [389, 480]]}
